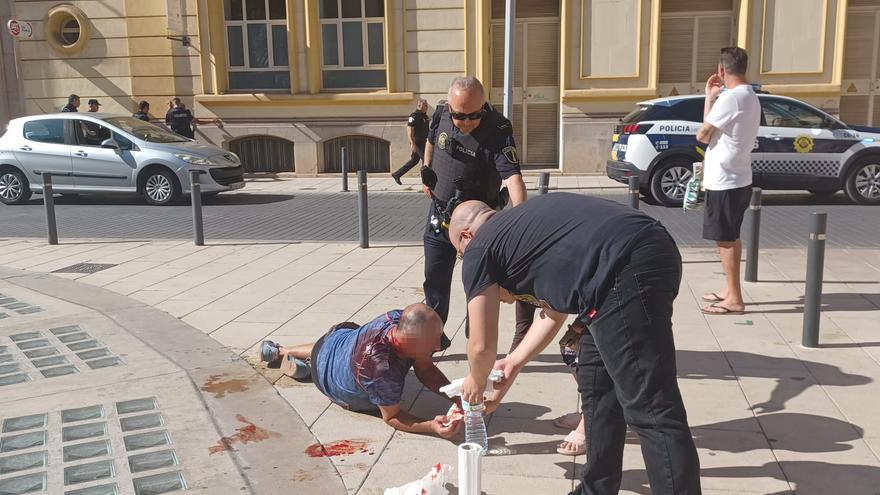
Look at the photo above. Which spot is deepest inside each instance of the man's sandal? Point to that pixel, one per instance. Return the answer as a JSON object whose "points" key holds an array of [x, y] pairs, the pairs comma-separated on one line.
{"points": [[576, 438], [712, 297], [718, 309]]}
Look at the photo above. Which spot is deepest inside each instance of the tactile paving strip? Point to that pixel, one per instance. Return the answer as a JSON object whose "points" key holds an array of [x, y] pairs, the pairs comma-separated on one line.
{"points": [[10, 306], [56, 352], [85, 445]]}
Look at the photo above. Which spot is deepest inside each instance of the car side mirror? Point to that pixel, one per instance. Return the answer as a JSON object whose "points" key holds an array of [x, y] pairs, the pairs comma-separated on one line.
{"points": [[110, 143]]}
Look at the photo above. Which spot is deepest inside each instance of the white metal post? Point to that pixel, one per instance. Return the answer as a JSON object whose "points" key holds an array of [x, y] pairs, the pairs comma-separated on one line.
{"points": [[509, 53]]}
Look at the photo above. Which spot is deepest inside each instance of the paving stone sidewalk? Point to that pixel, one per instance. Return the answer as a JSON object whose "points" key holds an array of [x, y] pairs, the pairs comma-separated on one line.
{"points": [[768, 415]]}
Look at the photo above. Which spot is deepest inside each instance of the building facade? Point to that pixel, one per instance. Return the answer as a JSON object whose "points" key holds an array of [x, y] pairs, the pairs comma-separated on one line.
{"points": [[296, 81]]}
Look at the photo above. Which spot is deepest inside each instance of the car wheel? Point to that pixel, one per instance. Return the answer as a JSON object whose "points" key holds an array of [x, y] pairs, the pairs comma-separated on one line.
{"points": [[161, 187], [669, 182], [14, 187], [863, 181]]}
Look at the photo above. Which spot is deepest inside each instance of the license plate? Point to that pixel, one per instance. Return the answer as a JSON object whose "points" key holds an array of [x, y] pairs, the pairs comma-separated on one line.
{"points": [[236, 185]]}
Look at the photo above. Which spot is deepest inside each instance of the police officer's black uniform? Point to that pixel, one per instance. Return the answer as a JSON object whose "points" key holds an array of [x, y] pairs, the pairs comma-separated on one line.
{"points": [[480, 160], [68, 108], [141, 115], [419, 122], [180, 119]]}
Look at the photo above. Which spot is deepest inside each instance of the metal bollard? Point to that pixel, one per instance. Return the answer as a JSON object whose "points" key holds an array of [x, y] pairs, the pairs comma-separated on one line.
{"points": [[49, 203], [634, 191], [344, 171], [363, 217], [543, 183], [813, 289], [754, 236], [195, 190]]}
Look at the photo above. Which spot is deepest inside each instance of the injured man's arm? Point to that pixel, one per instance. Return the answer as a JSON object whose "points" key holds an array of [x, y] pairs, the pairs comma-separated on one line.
{"points": [[401, 420]]}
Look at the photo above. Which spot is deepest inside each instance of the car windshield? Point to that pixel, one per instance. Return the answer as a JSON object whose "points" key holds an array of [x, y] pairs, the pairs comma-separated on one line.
{"points": [[145, 131]]}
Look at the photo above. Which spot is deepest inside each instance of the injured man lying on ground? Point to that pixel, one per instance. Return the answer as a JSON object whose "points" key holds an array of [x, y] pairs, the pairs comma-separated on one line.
{"points": [[363, 367]]}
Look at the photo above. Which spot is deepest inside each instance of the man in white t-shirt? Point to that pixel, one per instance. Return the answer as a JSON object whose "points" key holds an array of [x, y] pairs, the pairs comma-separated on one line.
{"points": [[730, 127]]}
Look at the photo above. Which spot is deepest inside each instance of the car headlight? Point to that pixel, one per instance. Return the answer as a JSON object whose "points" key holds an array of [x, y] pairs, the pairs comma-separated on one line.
{"points": [[193, 159]]}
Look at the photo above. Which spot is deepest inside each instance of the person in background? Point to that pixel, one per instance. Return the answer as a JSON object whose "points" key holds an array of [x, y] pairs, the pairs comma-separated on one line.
{"points": [[180, 119], [72, 104], [417, 133], [94, 105], [143, 111], [730, 127]]}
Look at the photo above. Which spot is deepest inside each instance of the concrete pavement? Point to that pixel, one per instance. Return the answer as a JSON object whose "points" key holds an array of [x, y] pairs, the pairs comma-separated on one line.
{"points": [[768, 415]]}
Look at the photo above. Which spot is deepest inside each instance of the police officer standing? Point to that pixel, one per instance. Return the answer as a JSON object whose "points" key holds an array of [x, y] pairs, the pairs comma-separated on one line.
{"points": [[180, 119], [72, 104], [470, 151], [417, 133]]}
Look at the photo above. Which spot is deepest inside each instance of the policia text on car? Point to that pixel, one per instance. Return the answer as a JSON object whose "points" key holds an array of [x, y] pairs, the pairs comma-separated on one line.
{"points": [[469, 153]]}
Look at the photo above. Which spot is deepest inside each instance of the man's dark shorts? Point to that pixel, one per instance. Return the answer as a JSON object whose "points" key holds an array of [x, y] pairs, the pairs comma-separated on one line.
{"points": [[724, 212]]}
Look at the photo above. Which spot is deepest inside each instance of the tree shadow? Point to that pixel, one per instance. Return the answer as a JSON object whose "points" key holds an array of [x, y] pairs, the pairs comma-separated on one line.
{"points": [[793, 376]]}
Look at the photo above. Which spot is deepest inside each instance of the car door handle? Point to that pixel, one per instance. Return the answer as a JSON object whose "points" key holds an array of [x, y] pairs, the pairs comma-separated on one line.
{"points": [[26, 148], [81, 153]]}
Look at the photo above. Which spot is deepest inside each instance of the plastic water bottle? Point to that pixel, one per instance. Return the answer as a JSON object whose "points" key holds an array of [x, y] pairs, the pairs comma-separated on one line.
{"points": [[474, 426]]}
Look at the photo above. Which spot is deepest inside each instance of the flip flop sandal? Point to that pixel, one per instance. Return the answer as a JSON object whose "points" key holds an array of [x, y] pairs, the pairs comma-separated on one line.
{"points": [[724, 310], [578, 439], [712, 297], [569, 421]]}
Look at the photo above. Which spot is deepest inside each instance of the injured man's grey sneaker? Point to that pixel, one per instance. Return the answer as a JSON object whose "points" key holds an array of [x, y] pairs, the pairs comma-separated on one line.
{"points": [[269, 353], [296, 368]]}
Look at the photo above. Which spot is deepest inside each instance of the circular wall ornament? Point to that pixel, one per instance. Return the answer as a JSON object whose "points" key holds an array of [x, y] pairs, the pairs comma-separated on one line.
{"points": [[67, 29]]}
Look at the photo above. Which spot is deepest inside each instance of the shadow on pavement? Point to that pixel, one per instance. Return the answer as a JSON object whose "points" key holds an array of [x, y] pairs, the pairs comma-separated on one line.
{"points": [[222, 199], [793, 376], [809, 476], [836, 301], [796, 432]]}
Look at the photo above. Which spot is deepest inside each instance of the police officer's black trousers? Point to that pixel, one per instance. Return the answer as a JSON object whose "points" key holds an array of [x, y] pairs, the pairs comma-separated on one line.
{"points": [[626, 376], [414, 159], [439, 264]]}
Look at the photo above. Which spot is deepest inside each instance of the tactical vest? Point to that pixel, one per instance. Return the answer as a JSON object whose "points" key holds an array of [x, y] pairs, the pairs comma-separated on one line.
{"points": [[464, 155]]}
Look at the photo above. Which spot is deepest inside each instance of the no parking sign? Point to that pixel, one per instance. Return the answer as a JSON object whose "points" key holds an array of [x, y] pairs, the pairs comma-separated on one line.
{"points": [[20, 30]]}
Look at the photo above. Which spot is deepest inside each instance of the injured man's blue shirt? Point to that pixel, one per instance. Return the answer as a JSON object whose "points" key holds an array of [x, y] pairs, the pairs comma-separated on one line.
{"points": [[358, 368]]}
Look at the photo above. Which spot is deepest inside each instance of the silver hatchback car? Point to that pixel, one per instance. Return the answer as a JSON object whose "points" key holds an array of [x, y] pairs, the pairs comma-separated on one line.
{"points": [[103, 153]]}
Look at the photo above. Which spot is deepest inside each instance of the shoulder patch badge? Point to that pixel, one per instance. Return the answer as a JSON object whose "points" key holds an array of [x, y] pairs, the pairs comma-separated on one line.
{"points": [[411, 120], [510, 153], [803, 144], [441, 140]]}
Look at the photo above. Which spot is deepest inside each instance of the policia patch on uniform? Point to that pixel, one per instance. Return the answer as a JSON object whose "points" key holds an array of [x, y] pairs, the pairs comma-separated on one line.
{"points": [[441, 140], [510, 153]]}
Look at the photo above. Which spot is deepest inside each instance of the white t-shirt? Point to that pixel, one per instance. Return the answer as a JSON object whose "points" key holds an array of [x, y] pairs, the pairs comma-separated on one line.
{"points": [[736, 115]]}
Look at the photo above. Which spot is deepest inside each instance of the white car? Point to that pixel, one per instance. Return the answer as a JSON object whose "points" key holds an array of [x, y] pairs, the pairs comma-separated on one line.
{"points": [[799, 147], [103, 153]]}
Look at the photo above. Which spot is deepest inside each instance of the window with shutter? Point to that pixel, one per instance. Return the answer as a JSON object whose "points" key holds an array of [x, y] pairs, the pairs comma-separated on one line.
{"points": [[690, 42], [361, 153], [264, 153], [861, 66]]}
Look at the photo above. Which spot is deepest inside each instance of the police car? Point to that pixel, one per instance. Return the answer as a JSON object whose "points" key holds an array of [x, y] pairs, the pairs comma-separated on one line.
{"points": [[799, 147]]}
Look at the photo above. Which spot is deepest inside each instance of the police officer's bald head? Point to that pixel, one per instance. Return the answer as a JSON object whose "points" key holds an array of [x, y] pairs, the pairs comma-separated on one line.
{"points": [[466, 219], [465, 103], [466, 84]]}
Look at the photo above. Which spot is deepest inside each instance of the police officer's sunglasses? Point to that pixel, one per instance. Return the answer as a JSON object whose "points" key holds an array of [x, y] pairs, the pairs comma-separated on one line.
{"points": [[467, 116]]}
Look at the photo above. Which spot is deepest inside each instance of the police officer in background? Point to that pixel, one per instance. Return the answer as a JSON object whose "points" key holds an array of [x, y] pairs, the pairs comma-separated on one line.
{"points": [[417, 133], [470, 151], [180, 119]]}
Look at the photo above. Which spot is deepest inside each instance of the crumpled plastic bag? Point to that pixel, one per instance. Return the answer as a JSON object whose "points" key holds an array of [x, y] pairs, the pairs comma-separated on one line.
{"points": [[434, 483], [692, 189]]}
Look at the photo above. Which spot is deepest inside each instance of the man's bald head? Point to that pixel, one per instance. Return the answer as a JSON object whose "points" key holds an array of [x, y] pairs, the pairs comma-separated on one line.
{"points": [[467, 217], [419, 330]]}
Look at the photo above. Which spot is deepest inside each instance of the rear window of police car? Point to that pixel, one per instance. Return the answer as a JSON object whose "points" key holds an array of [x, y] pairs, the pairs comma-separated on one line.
{"points": [[690, 110]]}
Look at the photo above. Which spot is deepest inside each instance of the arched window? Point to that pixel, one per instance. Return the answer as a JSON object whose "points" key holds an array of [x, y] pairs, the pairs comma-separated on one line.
{"points": [[361, 153], [264, 153]]}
